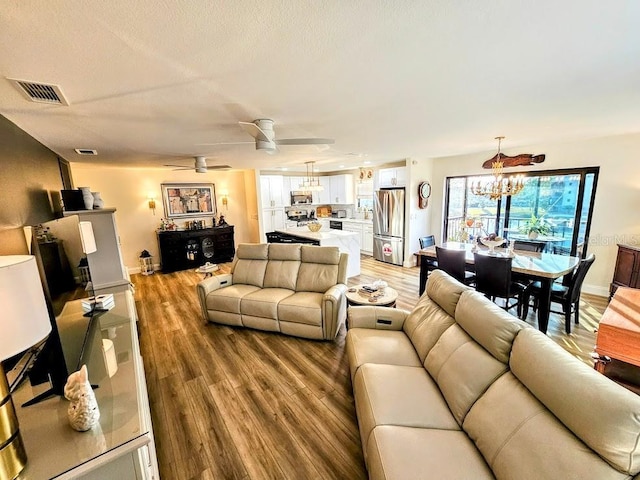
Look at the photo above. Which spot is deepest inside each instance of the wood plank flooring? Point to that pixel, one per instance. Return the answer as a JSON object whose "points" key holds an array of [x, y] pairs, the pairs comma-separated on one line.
{"points": [[243, 404]]}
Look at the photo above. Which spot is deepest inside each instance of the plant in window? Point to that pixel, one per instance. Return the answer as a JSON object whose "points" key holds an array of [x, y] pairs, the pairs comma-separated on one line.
{"points": [[536, 226]]}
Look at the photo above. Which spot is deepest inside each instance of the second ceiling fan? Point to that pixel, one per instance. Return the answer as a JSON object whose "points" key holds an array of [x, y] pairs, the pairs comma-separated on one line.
{"points": [[265, 137]]}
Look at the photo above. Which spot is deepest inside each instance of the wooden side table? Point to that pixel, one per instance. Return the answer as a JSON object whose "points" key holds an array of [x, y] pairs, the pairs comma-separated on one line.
{"points": [[208, 269], [385, 297], [618, 339]]}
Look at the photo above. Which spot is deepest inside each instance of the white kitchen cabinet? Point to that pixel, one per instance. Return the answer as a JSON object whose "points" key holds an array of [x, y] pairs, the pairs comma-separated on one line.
{"points": [[367, 239], [341, 189], [323, 197], [272, 191], [273, 218], [392, 177]]}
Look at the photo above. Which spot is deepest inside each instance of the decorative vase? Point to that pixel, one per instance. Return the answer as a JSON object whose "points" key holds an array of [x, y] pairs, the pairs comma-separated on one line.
{"points": [[533, 235], [83, 411], [87, 197], [97, 200]]}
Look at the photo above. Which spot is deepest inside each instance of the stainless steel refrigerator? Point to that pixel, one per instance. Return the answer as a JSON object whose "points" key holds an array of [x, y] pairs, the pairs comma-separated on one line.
{"points": [[388, 225]]}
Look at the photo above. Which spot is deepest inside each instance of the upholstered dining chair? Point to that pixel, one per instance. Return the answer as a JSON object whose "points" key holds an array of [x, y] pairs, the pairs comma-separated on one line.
{"points": [[528, 246], [566, 295], [453, 262], [493, 278]]}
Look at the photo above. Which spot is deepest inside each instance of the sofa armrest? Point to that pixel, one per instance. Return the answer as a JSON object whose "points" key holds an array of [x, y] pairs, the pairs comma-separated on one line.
{"points": [[376, 318], [210, 284], [334, 310]]}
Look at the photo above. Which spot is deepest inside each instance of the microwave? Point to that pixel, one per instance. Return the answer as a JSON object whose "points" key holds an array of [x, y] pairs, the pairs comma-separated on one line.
{"points": [[301, 197]]}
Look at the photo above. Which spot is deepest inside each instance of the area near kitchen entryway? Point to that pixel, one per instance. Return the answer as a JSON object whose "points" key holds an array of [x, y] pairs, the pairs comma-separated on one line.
{"points": [[343, 202]]}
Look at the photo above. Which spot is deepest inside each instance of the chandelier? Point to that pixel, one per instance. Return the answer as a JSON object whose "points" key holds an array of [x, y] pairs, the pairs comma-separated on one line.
{"points": [[311, 183], [498, 186]]}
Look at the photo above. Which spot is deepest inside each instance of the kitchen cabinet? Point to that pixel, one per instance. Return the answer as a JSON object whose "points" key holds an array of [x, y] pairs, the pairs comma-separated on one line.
{"points": [[273, 218], [341, 189], [323, 197], [367, 239], [392, 177], [272, 191], [627, 269]]}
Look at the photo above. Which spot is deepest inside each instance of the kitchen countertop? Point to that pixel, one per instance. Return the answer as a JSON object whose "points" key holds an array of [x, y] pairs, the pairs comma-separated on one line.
{"points": [[353, 220], [304, 232]]}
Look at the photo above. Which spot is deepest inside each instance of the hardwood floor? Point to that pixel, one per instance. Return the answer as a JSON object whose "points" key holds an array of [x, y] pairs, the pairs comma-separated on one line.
{"points": [[243, 404]]}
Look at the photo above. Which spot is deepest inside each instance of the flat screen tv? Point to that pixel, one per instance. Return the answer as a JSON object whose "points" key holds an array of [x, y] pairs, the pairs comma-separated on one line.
{"points": [[65, 276]]}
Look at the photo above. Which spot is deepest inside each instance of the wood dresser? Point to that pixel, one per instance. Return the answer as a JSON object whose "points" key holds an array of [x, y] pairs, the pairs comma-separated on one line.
{"points": [[627, 271]]}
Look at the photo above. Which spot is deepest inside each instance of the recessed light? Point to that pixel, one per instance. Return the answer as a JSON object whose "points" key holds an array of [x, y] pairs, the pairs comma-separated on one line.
{"points": [[284, 169], [86, 151], [341, 166], [367, 162]]}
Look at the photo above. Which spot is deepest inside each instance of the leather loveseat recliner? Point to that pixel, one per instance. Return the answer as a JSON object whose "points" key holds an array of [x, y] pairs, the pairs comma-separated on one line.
{"points": [[294, 289], [458, 388]]}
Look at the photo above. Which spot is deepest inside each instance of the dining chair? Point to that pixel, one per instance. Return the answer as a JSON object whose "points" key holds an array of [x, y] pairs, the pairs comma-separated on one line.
{"points": [[528, 246], [493, 278], [566, 295], [453, 262], [428, 241]]}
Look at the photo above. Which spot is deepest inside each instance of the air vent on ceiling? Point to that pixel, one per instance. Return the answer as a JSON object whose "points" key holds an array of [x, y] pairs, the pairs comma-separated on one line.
{"points": [[40, 92], [85, 151]]}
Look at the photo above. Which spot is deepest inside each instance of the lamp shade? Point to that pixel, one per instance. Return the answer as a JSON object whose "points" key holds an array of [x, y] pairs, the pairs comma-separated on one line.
{"points": [[87, 238], [24, 318]]}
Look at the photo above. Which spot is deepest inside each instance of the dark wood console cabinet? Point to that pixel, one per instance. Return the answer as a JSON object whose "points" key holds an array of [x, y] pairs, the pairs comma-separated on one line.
{"points": [[627, 272], [183, 249]]}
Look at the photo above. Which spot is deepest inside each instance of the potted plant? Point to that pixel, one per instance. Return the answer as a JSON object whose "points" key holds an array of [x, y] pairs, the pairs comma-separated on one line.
{"points": [[535, 226]]}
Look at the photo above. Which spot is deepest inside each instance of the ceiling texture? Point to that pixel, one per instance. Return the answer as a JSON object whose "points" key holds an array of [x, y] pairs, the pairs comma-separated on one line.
{"points": [[150, 82]]}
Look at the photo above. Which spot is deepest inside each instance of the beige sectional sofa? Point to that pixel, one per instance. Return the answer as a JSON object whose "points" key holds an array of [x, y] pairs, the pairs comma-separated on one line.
{"points": [[289, 288], [458, 388]]}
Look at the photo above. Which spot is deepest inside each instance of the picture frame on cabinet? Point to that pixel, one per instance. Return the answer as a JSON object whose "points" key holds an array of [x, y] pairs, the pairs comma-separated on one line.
{"points": [[189, 199]]}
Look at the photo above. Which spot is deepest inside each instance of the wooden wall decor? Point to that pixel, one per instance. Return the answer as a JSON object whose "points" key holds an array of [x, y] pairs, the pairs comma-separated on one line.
{"points": [[515, 161]]}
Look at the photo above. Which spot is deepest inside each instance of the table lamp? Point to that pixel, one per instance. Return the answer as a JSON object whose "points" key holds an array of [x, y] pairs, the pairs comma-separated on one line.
{"points": [[24, 322]]}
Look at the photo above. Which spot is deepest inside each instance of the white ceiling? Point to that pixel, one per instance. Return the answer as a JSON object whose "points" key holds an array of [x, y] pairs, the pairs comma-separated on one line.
{"points": [[150, 80]]}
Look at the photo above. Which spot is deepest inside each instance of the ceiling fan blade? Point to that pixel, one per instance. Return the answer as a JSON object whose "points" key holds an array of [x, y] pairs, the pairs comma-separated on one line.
{"points": [[218, 167], [179, 167], [223, 143], [255, 131], [306, 141]]}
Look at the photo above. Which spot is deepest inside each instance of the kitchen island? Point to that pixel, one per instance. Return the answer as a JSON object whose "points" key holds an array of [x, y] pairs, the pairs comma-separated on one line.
{"points": [[346, 241]]}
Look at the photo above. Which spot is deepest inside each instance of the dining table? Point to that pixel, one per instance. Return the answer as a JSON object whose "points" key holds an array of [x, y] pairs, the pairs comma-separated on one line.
{"points": [[542, 267]]}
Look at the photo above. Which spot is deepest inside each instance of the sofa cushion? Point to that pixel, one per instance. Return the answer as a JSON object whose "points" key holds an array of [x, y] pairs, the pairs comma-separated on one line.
{"points": [[519, 438], [250, 264], [228, 299], [301, 307], [401, 453], [263, 302], [488, 324], [600, 412], [462, 369], [282, 267], [429, 319], [397, 395], [379, 346], [319, 269]]}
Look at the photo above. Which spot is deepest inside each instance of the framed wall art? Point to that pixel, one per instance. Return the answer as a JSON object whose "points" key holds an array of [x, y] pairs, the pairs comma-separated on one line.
{"points": [[189, 199]]}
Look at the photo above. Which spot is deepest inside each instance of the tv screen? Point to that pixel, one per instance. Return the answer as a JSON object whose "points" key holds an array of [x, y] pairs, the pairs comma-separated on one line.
{"points": [[66, 278]]}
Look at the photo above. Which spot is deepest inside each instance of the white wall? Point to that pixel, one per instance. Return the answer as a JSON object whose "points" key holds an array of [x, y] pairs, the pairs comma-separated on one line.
{"points": [[127, 190], [616, 217], [419, 220]]}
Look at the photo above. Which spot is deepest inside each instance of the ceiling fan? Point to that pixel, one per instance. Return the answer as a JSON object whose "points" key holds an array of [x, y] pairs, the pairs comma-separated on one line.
{"points": [[265, 137], [200, 166]]}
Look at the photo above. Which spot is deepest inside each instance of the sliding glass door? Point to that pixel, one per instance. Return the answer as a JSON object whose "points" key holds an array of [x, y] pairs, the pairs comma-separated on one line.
{"points": [[558, 203]]}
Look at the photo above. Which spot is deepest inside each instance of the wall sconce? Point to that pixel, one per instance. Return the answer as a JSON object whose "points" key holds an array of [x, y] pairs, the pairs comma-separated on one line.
{"points": [[152, 203], [225, 201]]}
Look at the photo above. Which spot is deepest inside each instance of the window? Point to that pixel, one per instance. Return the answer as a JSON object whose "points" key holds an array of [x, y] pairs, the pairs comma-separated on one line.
{"points": [[560, 199]]}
